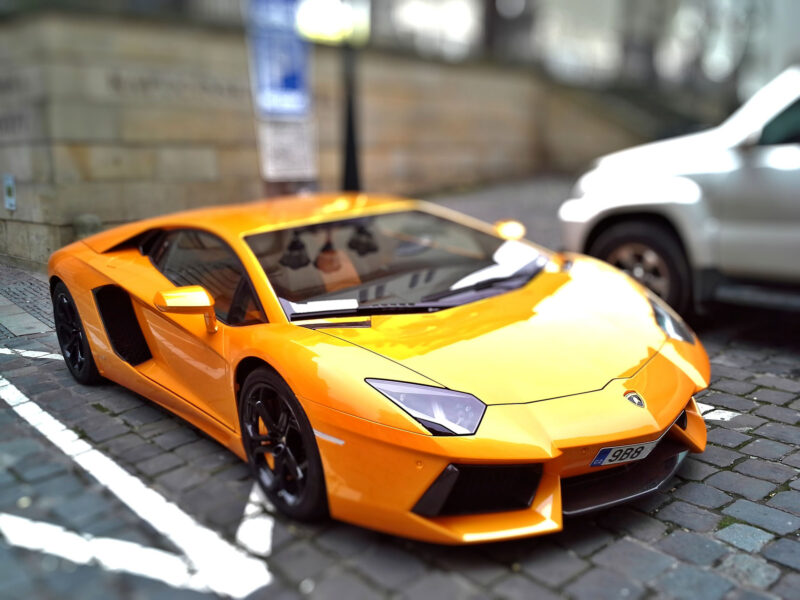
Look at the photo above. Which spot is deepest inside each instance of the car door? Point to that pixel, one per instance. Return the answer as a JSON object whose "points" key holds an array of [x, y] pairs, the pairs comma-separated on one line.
{"points": [[760, 228], [188, 360]]}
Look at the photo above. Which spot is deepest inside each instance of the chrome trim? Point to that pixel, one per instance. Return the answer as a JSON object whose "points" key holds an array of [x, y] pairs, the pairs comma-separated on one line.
{"points": [[328, 438]]}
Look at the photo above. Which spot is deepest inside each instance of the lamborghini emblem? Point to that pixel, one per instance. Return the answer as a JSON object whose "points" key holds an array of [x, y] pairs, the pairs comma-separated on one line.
{"points": [[635, 398]]}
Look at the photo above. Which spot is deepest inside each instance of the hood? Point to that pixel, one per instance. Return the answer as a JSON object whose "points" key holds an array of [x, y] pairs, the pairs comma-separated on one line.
{"points": [[702, 152], [566, 332]]}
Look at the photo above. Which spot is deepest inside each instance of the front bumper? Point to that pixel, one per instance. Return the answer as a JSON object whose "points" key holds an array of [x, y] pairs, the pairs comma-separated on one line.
{"points": [[376, 476]]}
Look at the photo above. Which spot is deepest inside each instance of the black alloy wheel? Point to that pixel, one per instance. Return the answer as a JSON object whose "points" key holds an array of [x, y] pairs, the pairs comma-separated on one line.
{"points": [[280, 446], [72, 337]]}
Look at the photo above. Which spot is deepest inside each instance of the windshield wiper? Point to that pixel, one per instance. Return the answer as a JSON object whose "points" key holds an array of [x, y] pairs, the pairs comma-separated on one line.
{"points": [[526, 273], [370, 309]]}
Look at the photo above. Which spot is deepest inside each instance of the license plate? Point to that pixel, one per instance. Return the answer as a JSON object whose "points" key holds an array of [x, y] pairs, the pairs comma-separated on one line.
{"points": [[622, 454]]}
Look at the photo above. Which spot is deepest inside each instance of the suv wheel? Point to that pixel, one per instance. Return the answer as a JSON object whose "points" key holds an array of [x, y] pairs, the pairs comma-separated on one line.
{"points": [[652, 255]]}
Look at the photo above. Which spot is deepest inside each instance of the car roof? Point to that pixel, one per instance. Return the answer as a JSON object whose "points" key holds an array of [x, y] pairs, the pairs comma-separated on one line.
{"points": [[234, 220]]}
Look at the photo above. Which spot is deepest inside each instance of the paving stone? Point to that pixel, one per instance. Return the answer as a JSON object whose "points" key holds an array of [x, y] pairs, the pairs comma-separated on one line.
{"points": [[733, 386], [689, 516], [690, 583], [695, 470], [470, 563], [12, 572], [745, 594], [720, 457], [766, 449], [301, 561], [729, 402], [390, 566], [703, 495], [442, 585], [788, 501], [795, 485], [744, 536], [793, 460], [780, 383], [771, 396], [144, 451], [634, 560], [102, 427], [727, 437], [552, 565], [118, 402], [341, 584], [720, 370], [785, 552], [742, 423], [182, 478], [177, 437], [788, 588], [771, 519], [159, 464], [763, 469], [603, 584], [142, 415], [518, 587], [626, 520], [779, 413], [81, 510], [692, 547], [749, 570], [345, 540], [582, 537], [753, 489]]}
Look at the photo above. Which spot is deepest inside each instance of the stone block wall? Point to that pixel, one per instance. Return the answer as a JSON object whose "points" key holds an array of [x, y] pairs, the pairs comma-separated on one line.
{"points": [[126, 118]]}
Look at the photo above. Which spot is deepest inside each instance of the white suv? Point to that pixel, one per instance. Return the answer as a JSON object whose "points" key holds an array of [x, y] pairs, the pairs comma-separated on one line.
{"points": [[709, 216]]}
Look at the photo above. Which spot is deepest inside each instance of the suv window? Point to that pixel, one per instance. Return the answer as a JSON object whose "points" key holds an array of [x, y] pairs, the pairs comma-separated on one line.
{"points": [[783, 129], [192, 257]]}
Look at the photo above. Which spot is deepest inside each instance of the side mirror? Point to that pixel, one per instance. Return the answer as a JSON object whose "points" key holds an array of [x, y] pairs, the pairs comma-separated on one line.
{"points": [[509, 229], [188, 300]]}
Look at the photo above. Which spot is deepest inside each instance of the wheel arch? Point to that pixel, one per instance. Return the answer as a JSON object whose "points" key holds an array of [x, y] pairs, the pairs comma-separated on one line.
{"points": [[54, 281], [646, 216], [244, 367]]}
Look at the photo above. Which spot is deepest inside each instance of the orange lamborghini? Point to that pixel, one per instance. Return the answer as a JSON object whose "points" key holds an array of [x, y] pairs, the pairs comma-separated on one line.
{"points": [[389, 362]]}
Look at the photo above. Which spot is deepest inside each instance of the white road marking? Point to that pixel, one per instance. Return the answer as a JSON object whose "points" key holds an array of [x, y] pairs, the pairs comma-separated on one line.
{"points": [[31, 353], [215, 564], [255, 530], [111, 554], [716, 414]]}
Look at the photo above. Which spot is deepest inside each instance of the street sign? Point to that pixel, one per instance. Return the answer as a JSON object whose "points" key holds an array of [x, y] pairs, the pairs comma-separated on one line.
{"points": [[278, 59], [9, 192], [281, 97]]}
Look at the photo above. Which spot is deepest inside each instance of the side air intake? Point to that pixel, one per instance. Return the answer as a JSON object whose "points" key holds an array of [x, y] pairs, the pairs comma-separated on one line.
{"points": [[122, 327]]}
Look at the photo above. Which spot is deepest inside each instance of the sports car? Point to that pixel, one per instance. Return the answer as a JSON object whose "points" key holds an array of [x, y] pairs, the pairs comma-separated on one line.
{"points": [[391, 363]]}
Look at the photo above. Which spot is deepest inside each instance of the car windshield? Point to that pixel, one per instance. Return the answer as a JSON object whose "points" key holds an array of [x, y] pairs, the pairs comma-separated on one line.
{"points": [[398, 262]]}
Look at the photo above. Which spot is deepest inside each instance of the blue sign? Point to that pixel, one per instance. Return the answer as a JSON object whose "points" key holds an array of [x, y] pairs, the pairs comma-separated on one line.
{"points": [[279, 60]]}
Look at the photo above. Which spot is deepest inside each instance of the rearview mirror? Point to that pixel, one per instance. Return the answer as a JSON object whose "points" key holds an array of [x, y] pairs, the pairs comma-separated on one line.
{"points": [[188, 300]]}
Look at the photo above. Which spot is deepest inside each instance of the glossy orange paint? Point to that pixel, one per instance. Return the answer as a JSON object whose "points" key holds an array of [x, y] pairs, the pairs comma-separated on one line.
{"points": [[551, 360]]}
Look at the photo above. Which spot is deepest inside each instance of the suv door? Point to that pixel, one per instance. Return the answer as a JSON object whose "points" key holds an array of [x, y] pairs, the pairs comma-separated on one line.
{"points": [[760, 229]]}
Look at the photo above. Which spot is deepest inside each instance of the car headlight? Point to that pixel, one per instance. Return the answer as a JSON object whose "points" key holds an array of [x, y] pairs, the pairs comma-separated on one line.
{"points": [[670, 322], [440, 411]]}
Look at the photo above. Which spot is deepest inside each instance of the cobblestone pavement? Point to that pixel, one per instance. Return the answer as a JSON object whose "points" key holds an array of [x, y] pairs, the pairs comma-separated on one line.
{"points": [[726, 528]]}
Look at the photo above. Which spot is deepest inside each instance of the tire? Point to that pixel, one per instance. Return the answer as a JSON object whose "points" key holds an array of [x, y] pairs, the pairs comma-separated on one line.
{"points": [[651, 254], [281, 447], [72, 337]]}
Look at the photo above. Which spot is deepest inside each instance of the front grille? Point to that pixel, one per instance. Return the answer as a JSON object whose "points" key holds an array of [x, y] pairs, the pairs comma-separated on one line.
{"points": [[473, 489]]}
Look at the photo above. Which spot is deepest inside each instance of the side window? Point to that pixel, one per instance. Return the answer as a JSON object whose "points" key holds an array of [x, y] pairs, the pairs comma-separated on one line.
{"points": [[783, 129], [191, 257]]}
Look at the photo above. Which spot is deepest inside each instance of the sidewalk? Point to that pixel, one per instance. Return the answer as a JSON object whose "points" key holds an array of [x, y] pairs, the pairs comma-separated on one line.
{"points": [[85, 473]]}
